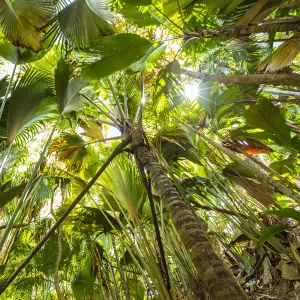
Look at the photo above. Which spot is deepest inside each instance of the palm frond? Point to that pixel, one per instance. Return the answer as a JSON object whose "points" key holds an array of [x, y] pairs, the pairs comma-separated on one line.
{"points": [[223, 6], [23, 25], [67, 89], [118, 52], [282, 57], [32, 107], [82, 22], [151, 57]]}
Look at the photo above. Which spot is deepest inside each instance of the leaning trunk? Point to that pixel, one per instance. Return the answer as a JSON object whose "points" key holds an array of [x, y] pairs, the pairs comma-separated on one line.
{"points": [[274, 79], [215, 275], [277, 25]]}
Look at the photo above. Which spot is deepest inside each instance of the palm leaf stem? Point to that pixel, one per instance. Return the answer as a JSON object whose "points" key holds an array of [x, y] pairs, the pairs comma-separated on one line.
{"points": [[116, 99], [103, 111], [4, 160], [139, 113], [8, 89], [103, 140], [103, 121], [125, 101], [147, 185]]}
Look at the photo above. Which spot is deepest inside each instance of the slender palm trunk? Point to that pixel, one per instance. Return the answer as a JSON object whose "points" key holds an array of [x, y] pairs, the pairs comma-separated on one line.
{"points": [[59, 292], [285, 24], [282, 92], [215, 275], [274, 79]]}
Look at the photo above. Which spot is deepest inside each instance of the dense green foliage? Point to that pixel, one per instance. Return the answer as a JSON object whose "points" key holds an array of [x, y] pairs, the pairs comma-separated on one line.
{"points": [[204, 97]]}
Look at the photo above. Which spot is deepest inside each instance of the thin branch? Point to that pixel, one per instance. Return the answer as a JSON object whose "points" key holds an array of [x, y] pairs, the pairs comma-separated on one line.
{"points": [[103, 140], [117, 151], [147, 185], [102, 110], [9, 87], [139, 113], [167, 17], [116, 99], [58, 289], [220, 210], [253, 101], [15, 226]]}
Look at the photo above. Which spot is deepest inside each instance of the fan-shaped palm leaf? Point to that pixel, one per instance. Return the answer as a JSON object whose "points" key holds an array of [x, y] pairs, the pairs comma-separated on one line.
{"points": [[282, 57], [23, 25], [70, 148], [140, 16], [83, 21], [118, 52], [224, 6], [124, 184], [33, 88], [17, 55], [67, 91]]}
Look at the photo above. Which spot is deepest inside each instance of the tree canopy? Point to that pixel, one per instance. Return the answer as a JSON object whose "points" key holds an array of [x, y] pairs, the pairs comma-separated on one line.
{"points": [[149, 149]]}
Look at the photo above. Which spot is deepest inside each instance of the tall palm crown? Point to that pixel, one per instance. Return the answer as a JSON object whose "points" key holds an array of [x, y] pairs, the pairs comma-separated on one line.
{"points": [[149, 150]]}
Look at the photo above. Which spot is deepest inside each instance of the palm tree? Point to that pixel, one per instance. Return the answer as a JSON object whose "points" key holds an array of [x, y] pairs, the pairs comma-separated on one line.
{"points": [[82, 66]]}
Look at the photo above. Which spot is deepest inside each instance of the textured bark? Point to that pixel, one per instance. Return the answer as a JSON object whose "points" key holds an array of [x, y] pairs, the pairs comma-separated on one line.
{"points": [[282, 25], [274, 79], [218, 280]]}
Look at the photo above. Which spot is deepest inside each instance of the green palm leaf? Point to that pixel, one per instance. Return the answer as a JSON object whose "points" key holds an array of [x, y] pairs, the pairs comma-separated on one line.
{"points": [[33, 88], [268, 117], [151, 57], [139, 2], [118, 52], [67, 91], [82, 22], [23, 24], [171, 7], [138, 15], [9, 195]]}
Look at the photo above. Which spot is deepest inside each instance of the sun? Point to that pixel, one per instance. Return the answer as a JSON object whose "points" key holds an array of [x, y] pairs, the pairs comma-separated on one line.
{"points": [[191, 91]]}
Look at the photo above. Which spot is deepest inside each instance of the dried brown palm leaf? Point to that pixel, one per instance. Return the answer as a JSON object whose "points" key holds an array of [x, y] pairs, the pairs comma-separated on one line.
{"points": [[259, 190], [282, 57]]}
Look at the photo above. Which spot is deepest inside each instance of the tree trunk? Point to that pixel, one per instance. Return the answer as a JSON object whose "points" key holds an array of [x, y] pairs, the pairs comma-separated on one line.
{"points": [[218, 280], [60, 295], [276, 25], [282, 92], [274, 79]]}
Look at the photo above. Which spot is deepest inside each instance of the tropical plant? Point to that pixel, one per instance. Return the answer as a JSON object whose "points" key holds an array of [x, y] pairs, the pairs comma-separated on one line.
{"points": [[149, 150]]}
